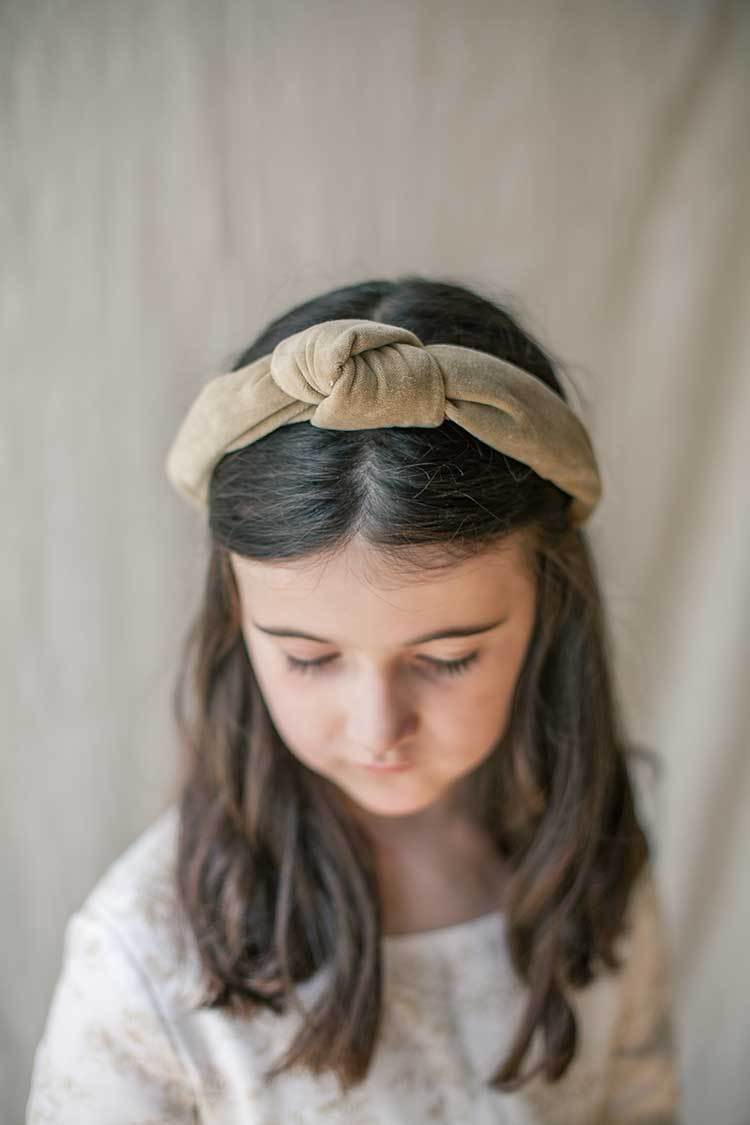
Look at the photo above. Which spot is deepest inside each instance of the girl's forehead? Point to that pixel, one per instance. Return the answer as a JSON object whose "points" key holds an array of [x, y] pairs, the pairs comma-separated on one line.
{"points": [[360, 566], [353, 592]]}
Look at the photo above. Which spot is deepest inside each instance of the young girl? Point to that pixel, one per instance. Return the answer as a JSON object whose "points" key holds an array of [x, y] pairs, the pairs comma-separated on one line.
{"points": [[403, 879]]}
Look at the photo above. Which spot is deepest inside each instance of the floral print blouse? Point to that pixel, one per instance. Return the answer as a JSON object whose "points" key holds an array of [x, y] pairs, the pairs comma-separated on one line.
{"points": [[122, 1047]]}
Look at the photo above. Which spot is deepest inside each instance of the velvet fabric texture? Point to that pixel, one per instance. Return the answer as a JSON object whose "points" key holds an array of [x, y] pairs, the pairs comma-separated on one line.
{"points": [[362, 374]]}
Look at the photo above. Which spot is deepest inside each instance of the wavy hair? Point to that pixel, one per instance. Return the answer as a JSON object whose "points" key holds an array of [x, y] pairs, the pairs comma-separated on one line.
{"points": [[275, 878]]}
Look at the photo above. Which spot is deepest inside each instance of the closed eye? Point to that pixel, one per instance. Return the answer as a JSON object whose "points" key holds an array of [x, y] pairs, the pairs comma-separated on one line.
{"points": [[447, 667]]}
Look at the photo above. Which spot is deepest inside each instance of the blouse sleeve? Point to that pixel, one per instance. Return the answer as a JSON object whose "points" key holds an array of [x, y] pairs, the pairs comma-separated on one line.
{"points": [[106, 1056], [644, 1085]]}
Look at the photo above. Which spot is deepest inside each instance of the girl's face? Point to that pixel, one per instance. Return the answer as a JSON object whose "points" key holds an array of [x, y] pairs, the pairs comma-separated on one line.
{"points": [[367, 679]]}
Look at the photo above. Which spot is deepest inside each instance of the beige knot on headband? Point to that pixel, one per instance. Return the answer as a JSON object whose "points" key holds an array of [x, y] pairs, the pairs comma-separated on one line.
{"points": [[361, 374]]}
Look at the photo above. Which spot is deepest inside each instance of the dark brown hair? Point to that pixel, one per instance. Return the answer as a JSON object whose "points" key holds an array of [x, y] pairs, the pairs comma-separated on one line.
{"points": [[275, 878]]}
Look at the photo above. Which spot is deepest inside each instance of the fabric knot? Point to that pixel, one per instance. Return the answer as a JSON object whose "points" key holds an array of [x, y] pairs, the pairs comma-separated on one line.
{"points": [[360, 374]]}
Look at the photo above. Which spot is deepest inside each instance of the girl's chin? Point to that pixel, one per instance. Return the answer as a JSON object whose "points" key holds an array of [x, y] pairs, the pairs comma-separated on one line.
{"points": [[384, 798], [381, 792]]}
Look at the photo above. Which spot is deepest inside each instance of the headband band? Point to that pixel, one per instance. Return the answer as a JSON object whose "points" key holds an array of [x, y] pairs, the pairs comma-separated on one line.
{"points": [[361, 374]]}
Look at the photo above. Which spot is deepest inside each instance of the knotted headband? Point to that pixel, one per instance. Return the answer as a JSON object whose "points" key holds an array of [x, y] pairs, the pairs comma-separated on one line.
{"points": [[361, 374]]}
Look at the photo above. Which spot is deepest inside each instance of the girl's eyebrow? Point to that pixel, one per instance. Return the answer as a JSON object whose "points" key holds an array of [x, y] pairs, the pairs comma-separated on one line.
{"points": [[458, 631]]}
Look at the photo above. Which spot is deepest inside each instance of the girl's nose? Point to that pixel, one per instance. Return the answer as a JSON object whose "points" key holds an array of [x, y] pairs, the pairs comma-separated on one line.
{"points": [[380, 714]]}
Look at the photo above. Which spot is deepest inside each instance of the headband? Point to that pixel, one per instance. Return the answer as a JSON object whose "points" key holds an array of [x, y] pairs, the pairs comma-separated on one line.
{"points": [[361, 374]]}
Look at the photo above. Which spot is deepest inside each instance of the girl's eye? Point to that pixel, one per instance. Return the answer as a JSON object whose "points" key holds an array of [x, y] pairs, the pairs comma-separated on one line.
{"points": [[447, 667]]}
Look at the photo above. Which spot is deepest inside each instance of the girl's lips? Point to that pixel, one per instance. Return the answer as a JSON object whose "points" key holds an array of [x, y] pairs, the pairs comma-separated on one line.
{"points": [[387, 767]]}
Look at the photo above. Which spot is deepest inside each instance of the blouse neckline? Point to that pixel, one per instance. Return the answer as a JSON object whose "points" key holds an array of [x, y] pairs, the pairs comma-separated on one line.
{"points": [[446, 934]]}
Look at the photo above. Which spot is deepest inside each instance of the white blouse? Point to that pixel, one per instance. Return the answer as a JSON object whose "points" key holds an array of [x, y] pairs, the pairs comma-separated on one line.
{"points": [[121, 1046]]}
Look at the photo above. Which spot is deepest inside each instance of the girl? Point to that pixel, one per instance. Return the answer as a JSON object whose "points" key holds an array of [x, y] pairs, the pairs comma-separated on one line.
{"points": [[403, 879]]}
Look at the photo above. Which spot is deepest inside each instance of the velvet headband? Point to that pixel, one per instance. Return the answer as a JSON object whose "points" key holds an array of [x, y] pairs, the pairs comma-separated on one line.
{"points": [[361, 374]]}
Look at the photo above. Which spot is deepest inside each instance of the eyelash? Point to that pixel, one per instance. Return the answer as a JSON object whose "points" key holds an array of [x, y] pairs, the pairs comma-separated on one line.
{"points": [[444, 667]]}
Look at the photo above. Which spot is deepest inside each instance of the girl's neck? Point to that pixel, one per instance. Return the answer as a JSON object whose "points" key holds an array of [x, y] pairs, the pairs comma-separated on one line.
{"points": [[436, 867], [440, 882]]}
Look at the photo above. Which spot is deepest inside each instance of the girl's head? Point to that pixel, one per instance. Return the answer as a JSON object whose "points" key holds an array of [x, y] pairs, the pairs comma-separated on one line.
{"points": [[369, 542]]}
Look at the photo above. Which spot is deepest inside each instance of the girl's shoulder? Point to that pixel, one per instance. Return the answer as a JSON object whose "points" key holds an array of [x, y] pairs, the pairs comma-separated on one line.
{"points": [[135, 900], [646, 945], [644, 1074], [141, 869], [108, 1051]]}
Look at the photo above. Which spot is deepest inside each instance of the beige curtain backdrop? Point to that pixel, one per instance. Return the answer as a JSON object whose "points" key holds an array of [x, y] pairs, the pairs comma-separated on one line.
{"points": [[176, 173]]}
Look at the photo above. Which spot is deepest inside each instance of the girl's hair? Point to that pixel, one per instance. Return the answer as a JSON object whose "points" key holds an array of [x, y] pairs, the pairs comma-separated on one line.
{"points": [[274, 876]]}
